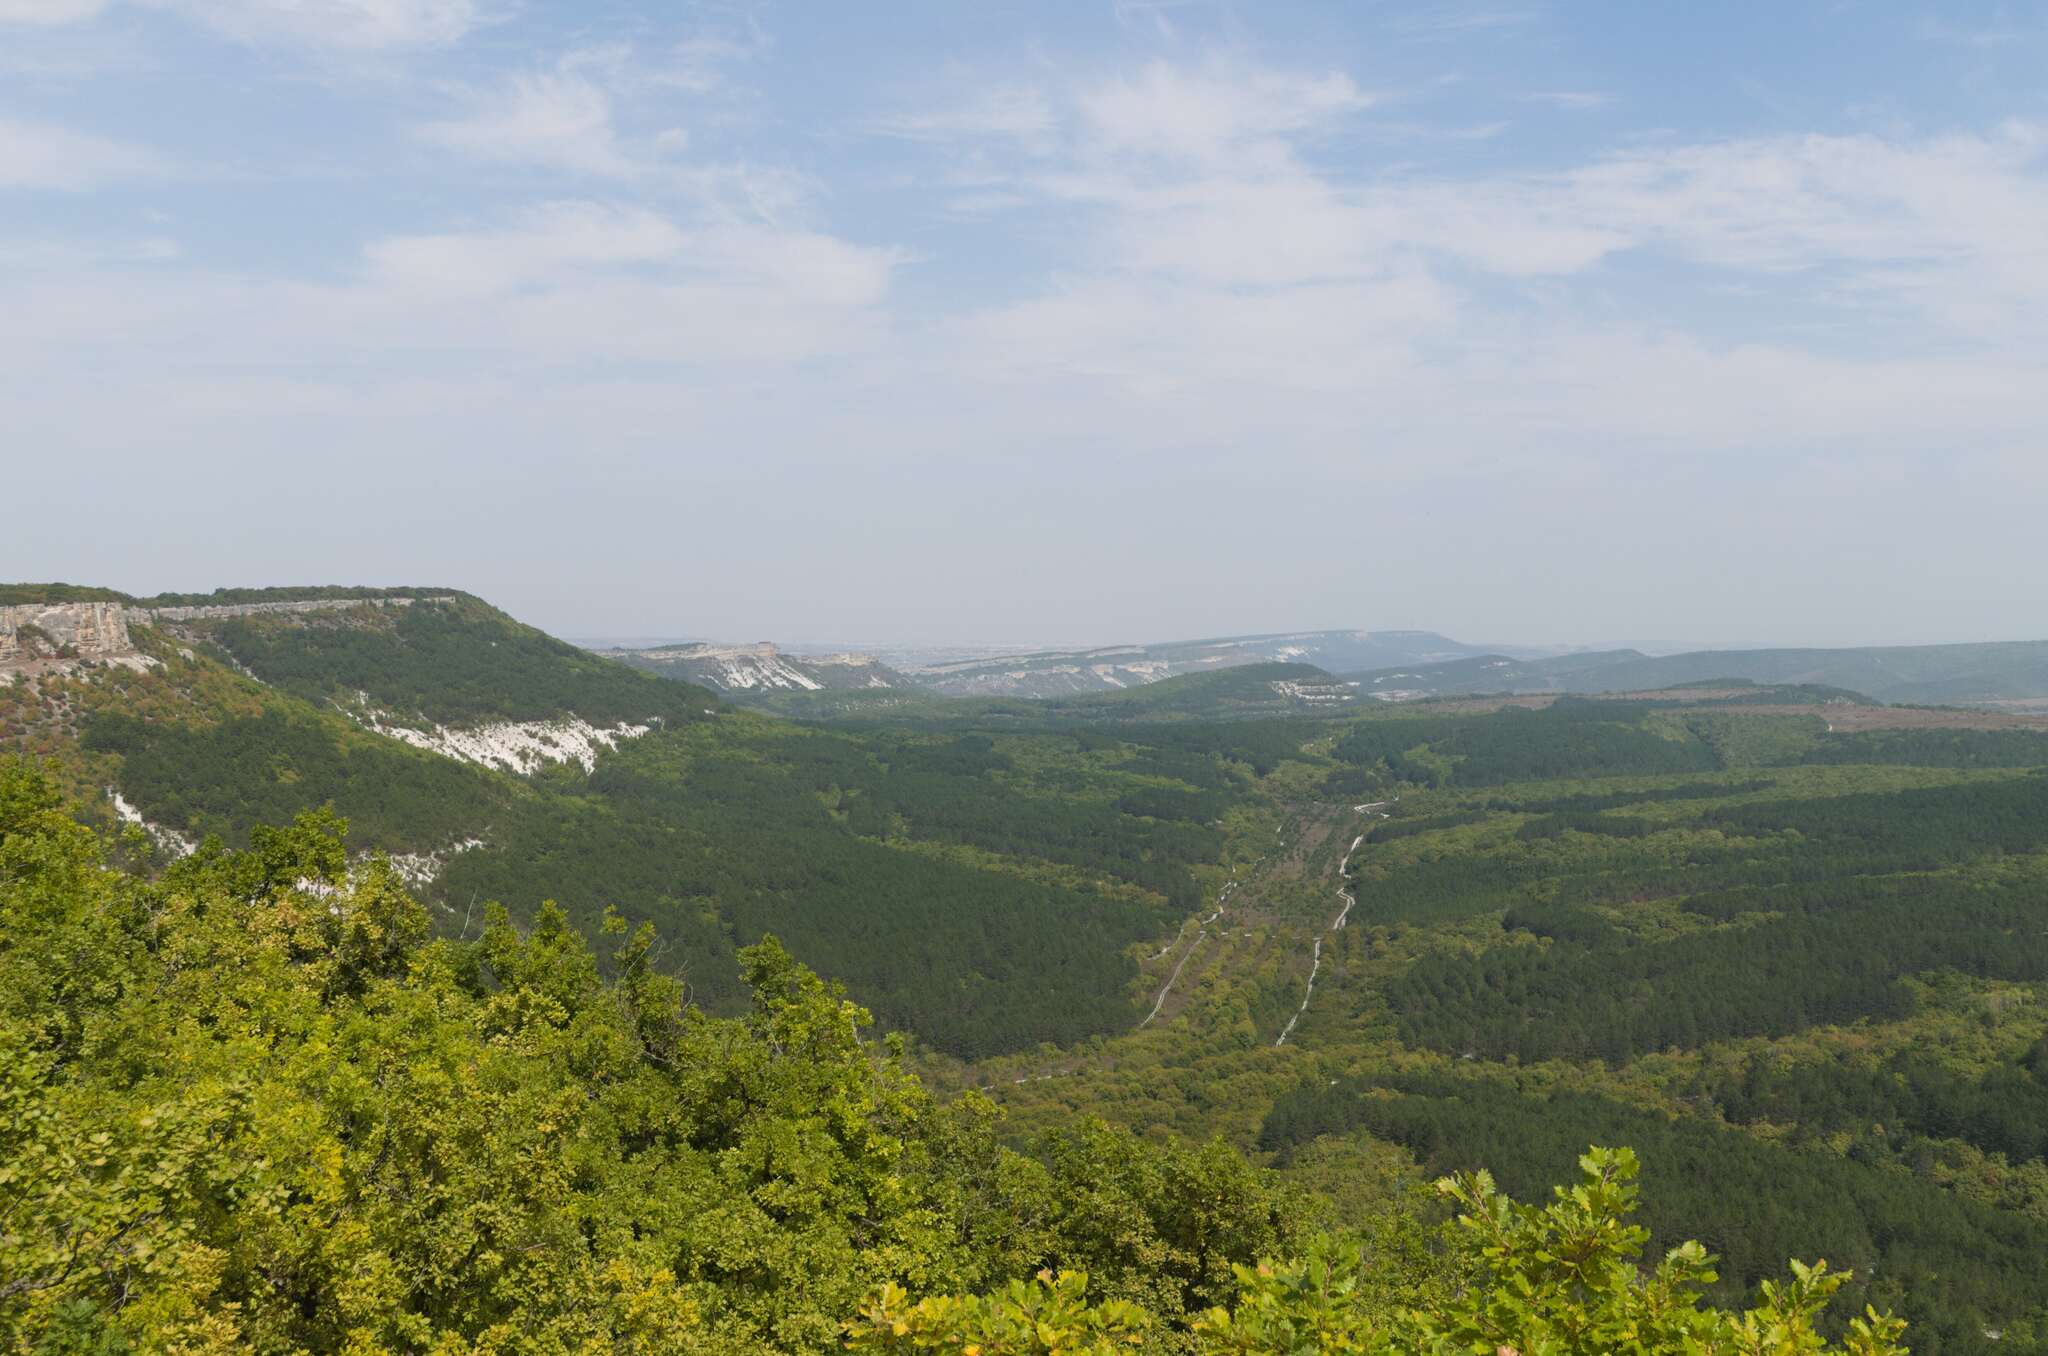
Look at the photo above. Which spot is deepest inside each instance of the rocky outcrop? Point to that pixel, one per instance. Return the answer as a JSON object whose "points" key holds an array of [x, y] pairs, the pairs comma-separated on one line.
{"points": [[221, 611], [513, 746], [760, 668], [57, 636], [62, 631]]}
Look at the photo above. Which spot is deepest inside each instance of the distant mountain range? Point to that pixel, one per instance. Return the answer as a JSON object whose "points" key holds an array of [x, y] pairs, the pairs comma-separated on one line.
{"points": [[1997, 671], [1390, 665], [766, 671], [1058, 673]]}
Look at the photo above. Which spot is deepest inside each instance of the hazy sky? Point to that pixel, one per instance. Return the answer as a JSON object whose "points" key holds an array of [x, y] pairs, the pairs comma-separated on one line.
{"points": [[1050, 322]]}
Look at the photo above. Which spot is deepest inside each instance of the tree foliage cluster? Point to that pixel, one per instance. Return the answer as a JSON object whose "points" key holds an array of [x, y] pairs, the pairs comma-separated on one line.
{"points": [[1894, 1103], [1935, 748], [246, 771], [1833, 955], [1571, 738], [1914, 829], [1946, 1264], [959, 896], [1565, 1279], [1596, 802]]}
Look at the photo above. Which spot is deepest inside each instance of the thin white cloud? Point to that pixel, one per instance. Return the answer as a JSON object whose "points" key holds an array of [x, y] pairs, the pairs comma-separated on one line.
{"points": [[1021, 112], [1460, 19], [559, 120], [1570, 98], [1212, 112], [2007, 34], [49, 12], [565, 246], [340, 25], [701, 65], [37, 155], [53, 252], [1214, 175], [567, 118], [541, 247]]}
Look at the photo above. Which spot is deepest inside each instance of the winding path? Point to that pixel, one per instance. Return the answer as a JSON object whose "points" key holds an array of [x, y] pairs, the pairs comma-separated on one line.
{"points": [[1167, 988], [1222, 898], [1343, 915]]}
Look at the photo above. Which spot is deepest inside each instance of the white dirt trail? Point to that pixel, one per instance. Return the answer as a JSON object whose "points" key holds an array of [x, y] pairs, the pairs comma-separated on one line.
{"points": [[1222, 899], [1343, 915]]}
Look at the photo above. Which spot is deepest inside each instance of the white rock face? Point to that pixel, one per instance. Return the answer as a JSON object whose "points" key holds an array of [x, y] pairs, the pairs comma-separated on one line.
{"points": [[216, 611], [1325, 694], [80, 632], [95, 630], [738, 668], [516, 746], [421, 869], [760, 668], [168, 841], [99, 631]]}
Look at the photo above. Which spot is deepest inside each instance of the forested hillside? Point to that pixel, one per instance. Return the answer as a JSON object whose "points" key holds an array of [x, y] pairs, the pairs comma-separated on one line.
{"points": [[987, 891], [1802, 971], [250, 1105], [452, 662]]}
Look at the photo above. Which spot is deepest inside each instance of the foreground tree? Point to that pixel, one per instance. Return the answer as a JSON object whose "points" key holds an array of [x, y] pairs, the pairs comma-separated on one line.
{"points": [[1558, 1280]]}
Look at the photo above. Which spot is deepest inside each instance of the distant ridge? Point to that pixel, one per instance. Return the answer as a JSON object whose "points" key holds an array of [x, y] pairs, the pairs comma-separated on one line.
{"points": [[1061, 673], [1982, 672], [760, 669]]}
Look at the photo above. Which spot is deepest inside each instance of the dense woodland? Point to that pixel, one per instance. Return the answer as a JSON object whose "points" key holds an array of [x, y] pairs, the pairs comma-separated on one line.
{"points": [[980, 890], [264, 769], [251, 1105], [1940, 1260]]}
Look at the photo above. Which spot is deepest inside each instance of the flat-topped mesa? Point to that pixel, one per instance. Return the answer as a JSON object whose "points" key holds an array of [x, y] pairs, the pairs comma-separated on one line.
{"points": [[219, 611], [59, 631], [761, 650], [54, 636]]}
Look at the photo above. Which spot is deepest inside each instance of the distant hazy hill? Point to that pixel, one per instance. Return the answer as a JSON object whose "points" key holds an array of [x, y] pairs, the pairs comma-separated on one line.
{"points": [[1990, 671], [761, 669], [1057, 673], [1233, 694]]}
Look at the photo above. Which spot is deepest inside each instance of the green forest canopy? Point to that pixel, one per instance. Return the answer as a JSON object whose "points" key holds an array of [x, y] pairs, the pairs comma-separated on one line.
{"points": [[251, 1105]]}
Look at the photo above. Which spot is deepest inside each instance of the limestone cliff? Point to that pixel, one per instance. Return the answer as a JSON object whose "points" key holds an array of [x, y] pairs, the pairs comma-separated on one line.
{"points": [[60, 631], [55, 635]]}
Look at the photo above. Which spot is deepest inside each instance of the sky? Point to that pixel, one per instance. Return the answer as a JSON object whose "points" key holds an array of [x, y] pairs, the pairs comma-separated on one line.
{"points": [[1044, 323]]}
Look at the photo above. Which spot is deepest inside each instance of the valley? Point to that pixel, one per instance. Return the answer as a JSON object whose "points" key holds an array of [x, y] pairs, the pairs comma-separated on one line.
{"points": [[1783, 935]]}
